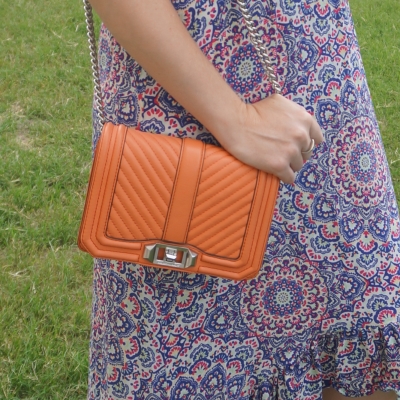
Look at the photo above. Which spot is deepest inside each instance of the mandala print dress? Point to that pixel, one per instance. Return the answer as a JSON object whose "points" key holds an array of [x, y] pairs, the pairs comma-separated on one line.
{"points": [[324, 310]]}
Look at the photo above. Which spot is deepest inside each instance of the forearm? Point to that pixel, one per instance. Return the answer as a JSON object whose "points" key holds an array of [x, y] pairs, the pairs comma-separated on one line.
{"points": [[153, 34], [268, 135]]}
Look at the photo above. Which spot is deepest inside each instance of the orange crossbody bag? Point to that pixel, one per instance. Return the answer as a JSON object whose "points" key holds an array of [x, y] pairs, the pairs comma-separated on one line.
{"points": [[173, 203]]}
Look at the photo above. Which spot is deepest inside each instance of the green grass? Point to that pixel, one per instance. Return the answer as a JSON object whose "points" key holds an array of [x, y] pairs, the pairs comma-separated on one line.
{"points": [[378, 33], [45, 136]]}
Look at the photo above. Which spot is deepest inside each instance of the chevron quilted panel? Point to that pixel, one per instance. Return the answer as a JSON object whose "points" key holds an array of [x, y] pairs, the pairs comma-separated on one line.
{"points": [[139, 185], [227, 198]]}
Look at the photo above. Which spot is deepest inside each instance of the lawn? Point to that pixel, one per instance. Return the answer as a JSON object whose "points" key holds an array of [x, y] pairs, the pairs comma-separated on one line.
{"points": [[45, 153]]}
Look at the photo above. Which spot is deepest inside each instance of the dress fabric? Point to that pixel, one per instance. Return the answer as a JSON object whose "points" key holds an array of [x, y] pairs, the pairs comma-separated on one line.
{"points": [[324, 310]]}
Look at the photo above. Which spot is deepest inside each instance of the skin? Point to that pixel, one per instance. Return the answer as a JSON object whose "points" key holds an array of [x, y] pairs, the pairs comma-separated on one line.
{"points": [[269, 135]]}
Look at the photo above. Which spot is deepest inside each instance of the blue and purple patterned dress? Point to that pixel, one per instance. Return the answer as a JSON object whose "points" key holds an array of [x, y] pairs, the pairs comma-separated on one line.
{"points": [[325, 308]]}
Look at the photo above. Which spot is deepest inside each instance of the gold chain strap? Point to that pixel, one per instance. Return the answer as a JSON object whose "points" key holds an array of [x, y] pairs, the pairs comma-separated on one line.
{"points": [[259, 45]]}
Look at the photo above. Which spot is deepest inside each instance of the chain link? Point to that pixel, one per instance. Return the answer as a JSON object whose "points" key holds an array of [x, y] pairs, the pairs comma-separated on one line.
{"points": [[93, 59], [259, 46], [254, 37]]}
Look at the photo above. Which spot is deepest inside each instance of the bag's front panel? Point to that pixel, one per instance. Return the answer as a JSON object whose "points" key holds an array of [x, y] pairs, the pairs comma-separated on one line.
{"points": [[144, 186]]}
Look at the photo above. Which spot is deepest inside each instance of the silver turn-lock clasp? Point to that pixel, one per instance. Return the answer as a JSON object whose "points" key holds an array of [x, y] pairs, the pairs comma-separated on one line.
{"points": [[172, 256]]}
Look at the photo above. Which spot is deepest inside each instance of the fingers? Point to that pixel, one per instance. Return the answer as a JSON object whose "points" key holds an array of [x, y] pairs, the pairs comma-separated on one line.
{"points": [[296, 164], [307, 154], [315, 132], [286, 176], [316, 135], [313, 138]]}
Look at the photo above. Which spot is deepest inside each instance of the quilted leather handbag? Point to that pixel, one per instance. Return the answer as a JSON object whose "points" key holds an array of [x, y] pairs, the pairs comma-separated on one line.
{"points": [[174, 203]]}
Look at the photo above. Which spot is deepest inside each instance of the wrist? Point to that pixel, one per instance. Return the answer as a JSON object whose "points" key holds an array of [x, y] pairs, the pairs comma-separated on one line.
{"points": [[225, 121]]}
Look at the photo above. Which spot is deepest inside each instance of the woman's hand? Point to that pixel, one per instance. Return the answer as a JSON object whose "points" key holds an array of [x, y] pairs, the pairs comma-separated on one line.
{"points": [[272, 134]]}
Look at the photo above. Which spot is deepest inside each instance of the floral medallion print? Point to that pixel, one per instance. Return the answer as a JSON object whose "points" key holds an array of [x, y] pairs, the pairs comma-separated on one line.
{"points": [[358, 165], [244, 70], [286, 299], [324, 309]]}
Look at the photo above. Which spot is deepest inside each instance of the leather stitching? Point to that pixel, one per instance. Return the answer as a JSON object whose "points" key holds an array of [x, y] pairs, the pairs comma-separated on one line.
{"points": [[221, 225], [189, 220], [219, 181], [132, 169], [173, 148], [215, 223], [119, 216], [235, 244], [89, 199], [115, 227], [144, 219], [149, 162], [256, 190], [173, 191], [222, 188], [201, 244], [215, 162], [115, 179], [85, 220]]}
